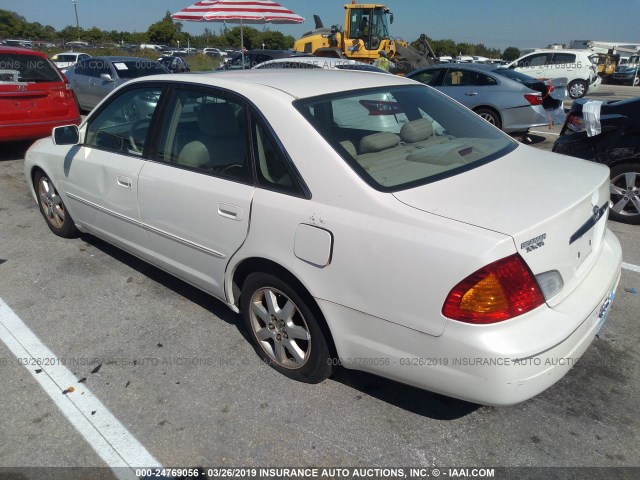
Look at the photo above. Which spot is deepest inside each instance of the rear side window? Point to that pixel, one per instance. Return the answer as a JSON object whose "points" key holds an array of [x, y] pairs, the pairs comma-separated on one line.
{"points": [[431, 77], [28, 68], [563, 58]]}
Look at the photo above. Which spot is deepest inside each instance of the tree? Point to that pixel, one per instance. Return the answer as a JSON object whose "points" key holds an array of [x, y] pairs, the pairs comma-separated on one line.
{"points": [[511, 53]]}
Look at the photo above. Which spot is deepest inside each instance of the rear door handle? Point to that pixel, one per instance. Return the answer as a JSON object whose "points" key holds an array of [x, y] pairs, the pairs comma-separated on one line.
{"points": [[471, 94], [124, 182], [227, 210]]}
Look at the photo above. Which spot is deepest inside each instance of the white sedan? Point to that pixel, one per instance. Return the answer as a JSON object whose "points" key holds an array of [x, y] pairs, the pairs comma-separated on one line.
{"points": [[351, 218]]}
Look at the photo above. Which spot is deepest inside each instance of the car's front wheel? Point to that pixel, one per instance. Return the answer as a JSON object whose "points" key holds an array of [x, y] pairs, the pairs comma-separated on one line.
{"points": [[52, 207], [625, 193], [577, 89], [284, 328]]}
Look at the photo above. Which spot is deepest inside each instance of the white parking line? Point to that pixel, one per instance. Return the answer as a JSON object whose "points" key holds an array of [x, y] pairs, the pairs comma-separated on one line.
{"points": [[630, 266], [544, 133], [106, 435]]}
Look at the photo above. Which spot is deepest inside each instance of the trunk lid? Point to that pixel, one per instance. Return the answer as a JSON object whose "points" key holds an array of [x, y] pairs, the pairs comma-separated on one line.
{"points": [[31, 88], [554, 207]]}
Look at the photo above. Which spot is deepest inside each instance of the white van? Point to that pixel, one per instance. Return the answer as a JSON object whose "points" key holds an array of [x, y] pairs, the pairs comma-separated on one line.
{"points": [[574, 65]]}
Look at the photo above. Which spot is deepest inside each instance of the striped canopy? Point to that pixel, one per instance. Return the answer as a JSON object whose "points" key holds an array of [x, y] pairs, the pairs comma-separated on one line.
{"points": [[238, 11]]}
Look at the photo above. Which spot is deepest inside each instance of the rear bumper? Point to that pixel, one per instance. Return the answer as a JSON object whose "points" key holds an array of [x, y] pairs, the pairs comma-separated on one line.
{"points": [[14, 131], [595, 85], [500, 364], [523, 118]]}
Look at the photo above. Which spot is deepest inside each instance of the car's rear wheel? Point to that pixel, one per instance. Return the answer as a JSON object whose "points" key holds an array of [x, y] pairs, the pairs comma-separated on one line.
{"points": [[284, 328], [625, 193], [490, 116], [577, 89], [52, 208]]}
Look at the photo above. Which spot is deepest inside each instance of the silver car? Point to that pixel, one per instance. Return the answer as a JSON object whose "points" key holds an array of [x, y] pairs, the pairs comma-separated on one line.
{"points": [[93, 78], [509, 100]]}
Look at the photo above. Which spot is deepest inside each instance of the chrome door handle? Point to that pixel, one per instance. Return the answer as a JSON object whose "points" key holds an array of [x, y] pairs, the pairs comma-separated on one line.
{"points": [[227, 210], [124, 182], [471, 94]]}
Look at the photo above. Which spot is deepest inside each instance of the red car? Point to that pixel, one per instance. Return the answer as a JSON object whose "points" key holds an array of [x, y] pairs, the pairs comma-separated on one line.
{"points": [[34, 96]]}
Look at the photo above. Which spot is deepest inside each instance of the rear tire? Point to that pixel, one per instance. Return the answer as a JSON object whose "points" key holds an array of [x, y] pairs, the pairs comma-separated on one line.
{"points": [[577, 89], [625, 193], [284, 328], [490, 116]]}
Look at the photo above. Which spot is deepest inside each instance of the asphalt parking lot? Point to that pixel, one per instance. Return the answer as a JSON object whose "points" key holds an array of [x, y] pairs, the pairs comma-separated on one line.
{"points": [[164, 369]]}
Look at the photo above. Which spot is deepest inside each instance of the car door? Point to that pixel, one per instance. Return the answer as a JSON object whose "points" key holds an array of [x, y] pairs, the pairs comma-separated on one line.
{"points": [[534, 65], [195, 196], [100, 87], [100, 176], [468, 87], [80, 78]]}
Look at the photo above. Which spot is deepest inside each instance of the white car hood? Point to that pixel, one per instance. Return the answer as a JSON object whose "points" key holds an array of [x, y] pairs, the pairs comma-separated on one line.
{"points": [[551, 205]]}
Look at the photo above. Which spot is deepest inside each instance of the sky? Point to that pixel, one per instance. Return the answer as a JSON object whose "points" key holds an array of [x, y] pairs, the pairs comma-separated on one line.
{"points": [[496, 23]]}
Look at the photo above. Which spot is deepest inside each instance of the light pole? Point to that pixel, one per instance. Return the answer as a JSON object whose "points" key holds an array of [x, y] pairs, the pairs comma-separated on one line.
{"points": [[75, 7]]}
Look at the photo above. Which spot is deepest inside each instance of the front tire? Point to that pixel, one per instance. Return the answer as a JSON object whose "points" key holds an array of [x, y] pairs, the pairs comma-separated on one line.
{"points": [[52, 207], [577, 89], [284, 328], [625, 193]]}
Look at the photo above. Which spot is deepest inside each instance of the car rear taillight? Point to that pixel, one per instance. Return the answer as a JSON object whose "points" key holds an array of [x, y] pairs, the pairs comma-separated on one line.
{"points": [[499, 291], [575, 123], [533, 99]]}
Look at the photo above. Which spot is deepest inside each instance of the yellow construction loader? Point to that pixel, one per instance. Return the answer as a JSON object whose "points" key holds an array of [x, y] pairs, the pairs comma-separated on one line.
{"points": [[365, 34]]}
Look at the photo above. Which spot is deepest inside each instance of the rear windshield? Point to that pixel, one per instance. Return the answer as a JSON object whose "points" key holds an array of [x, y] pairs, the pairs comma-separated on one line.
{"points": [[401, 137], [27, 68], [138, 68], [517, 76]]}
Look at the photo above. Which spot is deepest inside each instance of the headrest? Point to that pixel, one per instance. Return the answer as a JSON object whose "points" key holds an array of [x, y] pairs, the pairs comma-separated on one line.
{"points": [[416, 130], [217, 120], [378, 141]]}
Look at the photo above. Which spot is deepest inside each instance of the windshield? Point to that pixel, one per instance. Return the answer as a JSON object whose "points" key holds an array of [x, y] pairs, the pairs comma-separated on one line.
{"points": [[64, 58], [400, 137], [633, 59], [138, 68], [28, 68]]}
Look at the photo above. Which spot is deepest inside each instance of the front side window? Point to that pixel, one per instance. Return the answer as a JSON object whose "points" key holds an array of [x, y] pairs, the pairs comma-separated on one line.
{"points": [[123, 124], [205, 132], [400, 137], [536, 60]]}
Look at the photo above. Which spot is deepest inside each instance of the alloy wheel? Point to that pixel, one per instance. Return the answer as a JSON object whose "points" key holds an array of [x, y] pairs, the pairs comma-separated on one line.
{"points": [[625, 194], [51, 203], [280, 328]]}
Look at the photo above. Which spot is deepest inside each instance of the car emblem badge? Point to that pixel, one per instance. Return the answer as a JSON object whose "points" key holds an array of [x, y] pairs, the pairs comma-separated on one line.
{"points": [[21, 88], [534, 243]]}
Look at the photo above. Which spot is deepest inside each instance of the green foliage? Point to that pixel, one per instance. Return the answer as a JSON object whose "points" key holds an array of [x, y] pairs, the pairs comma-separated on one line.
{"points": [[511, 53], [448, 47]]}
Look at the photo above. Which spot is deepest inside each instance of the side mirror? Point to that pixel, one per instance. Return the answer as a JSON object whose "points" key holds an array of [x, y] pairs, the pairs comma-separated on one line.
{"points": [[66, 135], [106, 76]]}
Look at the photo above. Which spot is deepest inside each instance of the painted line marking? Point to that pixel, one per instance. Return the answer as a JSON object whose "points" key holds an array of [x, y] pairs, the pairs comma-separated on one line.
{"points": [[630, 266], [102, 431], [544, 133]]}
